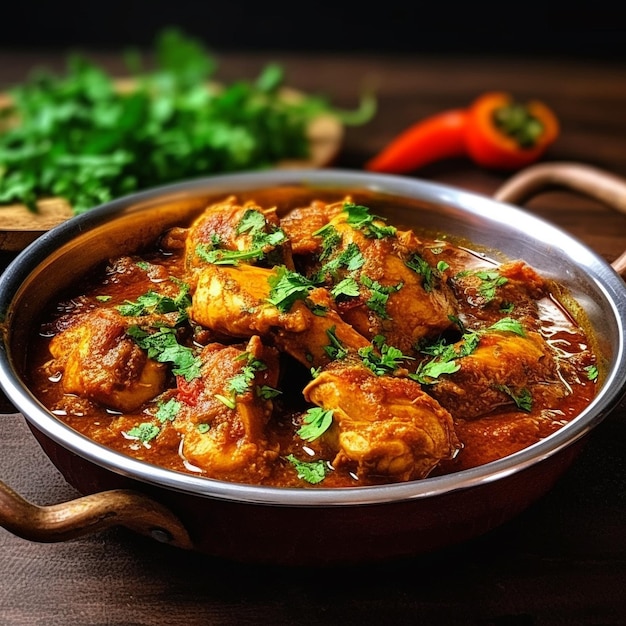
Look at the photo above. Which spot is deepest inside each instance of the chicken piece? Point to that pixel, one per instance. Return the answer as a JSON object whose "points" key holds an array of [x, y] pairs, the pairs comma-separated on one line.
{"points": [[223, 424], [246, 233], [234, 301], [326, 337], [387, 426], [484, 293], [100, 362], [504, 366], [392, 290], [301, 223]]}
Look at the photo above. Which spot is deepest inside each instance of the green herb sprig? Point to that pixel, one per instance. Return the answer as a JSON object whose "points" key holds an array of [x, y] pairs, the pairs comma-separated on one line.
{"points": [[79, 137]]}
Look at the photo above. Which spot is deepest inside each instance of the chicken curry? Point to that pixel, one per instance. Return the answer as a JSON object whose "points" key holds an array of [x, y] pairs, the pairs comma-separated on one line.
{"points": [[319, 347]]}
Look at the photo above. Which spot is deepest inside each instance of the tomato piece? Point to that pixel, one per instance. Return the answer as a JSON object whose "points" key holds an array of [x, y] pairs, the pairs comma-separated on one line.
{"points": [[188, 391]]}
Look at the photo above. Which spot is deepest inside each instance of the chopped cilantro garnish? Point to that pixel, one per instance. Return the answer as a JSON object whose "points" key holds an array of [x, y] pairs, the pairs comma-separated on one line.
{"points": [[330, 240], [315, 423], [348, 287], [350, 258], [152, 302], [509, 324], [428, 372], [379, 295], [286, 287], [469, 342], [312, 472], [145, 432], [266, 392], [446, 355], [386, 361], [315, 371], [523, 400], [420, 266], [162, 345], [218, 256], [252, 222], [445, 359], [592, 372], [263, 233], [242, 381], [490, 282], [167, 411], [335, 350], [360, 218]]}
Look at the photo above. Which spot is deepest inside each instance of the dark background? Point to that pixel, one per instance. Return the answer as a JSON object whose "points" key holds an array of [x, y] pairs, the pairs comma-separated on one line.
{"points": [[581, 29]]}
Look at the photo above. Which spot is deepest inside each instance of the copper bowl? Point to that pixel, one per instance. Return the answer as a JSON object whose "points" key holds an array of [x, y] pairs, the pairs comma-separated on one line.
{"points": [[309, 526]]}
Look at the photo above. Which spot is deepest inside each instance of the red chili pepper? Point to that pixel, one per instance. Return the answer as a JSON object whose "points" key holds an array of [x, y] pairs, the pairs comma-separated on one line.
{"points": [[504, 134], [440, 136], [494, 131]]}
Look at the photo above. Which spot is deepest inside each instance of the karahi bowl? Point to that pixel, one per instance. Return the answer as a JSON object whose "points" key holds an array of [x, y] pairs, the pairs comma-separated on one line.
{"points": [[294, 526]]}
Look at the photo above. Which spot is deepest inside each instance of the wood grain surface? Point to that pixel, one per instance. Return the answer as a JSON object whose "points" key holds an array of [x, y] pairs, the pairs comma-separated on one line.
{"points": [[563, 561]]}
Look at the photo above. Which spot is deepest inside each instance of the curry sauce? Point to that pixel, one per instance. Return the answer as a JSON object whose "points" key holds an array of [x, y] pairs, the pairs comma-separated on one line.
{"points": [[323, 347]]}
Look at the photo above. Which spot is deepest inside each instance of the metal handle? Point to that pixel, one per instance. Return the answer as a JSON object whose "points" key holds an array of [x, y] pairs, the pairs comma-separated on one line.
{"points": [[90, 514], [595, 183]]}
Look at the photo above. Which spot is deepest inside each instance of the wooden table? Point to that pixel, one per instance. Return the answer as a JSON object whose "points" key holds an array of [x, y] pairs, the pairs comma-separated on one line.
{"points": [[563, 561]]}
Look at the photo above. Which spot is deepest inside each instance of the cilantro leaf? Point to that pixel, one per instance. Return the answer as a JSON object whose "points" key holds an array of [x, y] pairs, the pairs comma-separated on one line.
{"points": [[359, 217], [428, 372], [491, 280], [348, 287], [592, 372], [286, 287], [145, 432], [167, 411], [510, 325], [523, 400], [312, 472], [162, 345], [335, 349], [242, 381], [218, 256], [379, 295], [152, 302], [386, 361], [420, 266], [315, 423]]}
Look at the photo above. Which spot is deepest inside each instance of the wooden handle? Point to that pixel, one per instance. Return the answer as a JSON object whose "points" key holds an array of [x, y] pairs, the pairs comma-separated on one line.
{"points": [[590, 181], [88, 515]]}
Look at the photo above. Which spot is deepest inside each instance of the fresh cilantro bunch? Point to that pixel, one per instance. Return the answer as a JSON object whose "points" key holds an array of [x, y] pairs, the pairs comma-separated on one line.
{"points": [[80, 137]]}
